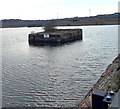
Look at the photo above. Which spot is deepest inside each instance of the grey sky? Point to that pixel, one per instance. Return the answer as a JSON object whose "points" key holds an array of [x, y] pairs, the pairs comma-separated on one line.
{"points": [[51, 9]]}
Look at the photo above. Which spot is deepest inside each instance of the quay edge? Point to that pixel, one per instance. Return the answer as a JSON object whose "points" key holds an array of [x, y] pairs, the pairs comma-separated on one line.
{"points": [[58, 36]]}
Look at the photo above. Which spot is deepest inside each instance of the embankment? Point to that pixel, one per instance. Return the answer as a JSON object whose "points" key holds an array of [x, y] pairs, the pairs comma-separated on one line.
{"points": [[107, 19], [109, 80]]}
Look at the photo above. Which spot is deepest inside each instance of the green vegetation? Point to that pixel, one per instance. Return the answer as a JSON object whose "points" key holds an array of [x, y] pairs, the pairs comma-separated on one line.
{"points": [[107, 19], [115, 81]]}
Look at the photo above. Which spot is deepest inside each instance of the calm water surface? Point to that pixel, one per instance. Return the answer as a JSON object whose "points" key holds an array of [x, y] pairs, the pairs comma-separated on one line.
{"points": [[45, 76]]}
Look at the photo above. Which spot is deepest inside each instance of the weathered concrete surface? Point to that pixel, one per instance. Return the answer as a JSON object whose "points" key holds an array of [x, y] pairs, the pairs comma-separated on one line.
{"points": [[58, 36]]}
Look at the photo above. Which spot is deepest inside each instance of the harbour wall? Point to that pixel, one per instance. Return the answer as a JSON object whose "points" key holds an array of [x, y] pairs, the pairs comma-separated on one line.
{"points": [[109, 80], [59, 36]]}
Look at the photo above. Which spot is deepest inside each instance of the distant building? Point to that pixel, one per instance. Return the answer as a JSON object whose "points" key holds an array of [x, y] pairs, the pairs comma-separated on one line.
{"points": [[117, 13]]}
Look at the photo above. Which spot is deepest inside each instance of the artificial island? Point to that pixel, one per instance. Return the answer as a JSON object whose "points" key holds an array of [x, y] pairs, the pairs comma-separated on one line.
{"points": [[51, 35]]}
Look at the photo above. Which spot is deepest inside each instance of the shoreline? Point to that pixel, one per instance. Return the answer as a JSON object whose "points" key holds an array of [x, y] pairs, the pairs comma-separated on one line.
{"points": [[106, 19], [60, 26], [106, 82]]}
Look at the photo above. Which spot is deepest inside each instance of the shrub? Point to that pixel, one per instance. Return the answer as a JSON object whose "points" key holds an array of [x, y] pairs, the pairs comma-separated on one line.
{"points": [[115, 82]]}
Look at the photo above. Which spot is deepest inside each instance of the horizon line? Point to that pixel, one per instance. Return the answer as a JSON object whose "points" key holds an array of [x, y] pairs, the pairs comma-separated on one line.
{"points": [[115, 13]]}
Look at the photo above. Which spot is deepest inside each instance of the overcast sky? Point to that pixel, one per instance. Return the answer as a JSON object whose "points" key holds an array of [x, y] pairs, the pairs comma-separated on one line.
{"points": [[52, 9]]}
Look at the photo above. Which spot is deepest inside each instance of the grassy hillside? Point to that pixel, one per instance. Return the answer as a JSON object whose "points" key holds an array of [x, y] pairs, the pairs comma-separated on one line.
{"points": [[109, 19]]}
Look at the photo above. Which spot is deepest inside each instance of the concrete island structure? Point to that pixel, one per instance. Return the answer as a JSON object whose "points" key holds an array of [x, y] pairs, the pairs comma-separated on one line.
{"points": [[58, 36]]}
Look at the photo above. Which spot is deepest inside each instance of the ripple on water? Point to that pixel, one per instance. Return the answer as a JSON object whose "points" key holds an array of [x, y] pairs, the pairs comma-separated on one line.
{"points": [[54, 76]]}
